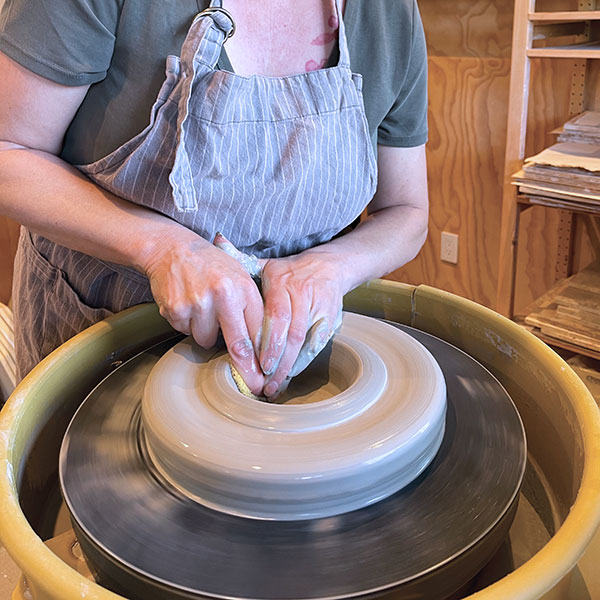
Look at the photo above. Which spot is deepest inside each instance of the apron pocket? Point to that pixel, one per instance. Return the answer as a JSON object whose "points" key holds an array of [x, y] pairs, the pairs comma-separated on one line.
{"points": [[49, 311]]}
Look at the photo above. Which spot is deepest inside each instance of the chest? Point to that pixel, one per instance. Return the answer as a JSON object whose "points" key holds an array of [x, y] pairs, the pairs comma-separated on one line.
{"points": [[281, 37]]}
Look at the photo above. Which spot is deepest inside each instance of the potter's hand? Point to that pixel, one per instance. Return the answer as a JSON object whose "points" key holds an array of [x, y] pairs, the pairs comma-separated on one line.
{"points": [[199, 288], [303, 310]]}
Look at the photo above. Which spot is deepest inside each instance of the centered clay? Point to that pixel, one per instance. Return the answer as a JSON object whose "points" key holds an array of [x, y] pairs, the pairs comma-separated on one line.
{"points": [[363, 421]]}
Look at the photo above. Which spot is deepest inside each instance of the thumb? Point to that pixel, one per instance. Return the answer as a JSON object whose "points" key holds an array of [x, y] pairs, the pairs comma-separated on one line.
{"points": [[249, 262]]}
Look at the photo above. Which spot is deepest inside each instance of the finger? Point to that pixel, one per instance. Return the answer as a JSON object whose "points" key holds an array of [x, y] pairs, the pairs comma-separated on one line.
{"points": [[317, 337], [254, 315], [181, 326], [240, 346], [251, 264], [205, 329], [244, 359], [221, 242], [203, 322], [295, 339], [179, 320], [276, 323]]}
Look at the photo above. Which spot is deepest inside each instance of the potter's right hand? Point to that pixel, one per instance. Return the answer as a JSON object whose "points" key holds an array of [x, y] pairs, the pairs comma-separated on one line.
{"points": [[200, 289]]}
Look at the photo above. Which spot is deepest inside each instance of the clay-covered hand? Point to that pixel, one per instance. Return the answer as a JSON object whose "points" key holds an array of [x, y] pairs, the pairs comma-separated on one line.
{"points": [[199, 289], [303, 309]]}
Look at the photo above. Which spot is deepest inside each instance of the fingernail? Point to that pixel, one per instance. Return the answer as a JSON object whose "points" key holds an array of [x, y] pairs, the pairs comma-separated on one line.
{"points": [[320, 338], [265, 334], [271, 388], [256, 346], [268, 366]]}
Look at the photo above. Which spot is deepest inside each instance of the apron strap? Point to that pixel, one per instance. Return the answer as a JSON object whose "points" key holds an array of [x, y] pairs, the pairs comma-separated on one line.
{"points": [[199, 54], [209, 31], [202, 4], [342, 40]]}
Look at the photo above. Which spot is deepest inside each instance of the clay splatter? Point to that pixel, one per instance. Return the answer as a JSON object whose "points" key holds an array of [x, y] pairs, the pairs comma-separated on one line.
{"points": [[500, 344]]}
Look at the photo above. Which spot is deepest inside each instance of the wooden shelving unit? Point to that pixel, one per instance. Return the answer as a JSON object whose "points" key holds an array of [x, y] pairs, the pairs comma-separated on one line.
{"points": [[541, 35]]}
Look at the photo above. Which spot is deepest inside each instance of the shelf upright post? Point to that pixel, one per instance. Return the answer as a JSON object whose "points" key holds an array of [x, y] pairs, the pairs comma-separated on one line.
{"points": [[515, 153]]}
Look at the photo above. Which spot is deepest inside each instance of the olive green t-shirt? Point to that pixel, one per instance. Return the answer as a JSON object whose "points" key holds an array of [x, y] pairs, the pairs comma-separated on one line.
{"points": [[120, 48]]}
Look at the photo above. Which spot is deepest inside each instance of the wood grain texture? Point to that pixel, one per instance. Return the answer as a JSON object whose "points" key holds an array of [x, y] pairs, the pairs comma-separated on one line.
{"points": [[549, 101], [592, 88], [469, 44], [9, 235], [467, 123], [475, 28], [586, 246], [555, 5]]}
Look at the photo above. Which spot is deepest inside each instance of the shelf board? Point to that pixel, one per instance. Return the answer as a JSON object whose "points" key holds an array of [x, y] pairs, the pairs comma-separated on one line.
{"points": [[578, 207], [586, 50], [565, 16]]}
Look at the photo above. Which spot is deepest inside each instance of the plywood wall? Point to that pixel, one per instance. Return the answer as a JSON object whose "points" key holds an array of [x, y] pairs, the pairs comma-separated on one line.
{"points": [[469, 45]]}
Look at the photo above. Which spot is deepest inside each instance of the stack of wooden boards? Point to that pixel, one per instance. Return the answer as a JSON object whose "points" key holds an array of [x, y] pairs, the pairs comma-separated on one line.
{"points": [[570, 312], [568, 171]]}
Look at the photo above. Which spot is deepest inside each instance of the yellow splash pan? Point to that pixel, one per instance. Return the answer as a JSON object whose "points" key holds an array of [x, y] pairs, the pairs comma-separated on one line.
{"points": [[561, 419]]}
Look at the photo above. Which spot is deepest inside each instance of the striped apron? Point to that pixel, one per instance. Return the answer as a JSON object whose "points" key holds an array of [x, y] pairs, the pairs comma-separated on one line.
{"points": [[277, 164]]}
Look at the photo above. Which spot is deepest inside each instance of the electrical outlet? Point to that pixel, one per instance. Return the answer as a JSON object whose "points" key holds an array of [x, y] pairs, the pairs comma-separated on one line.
{"points": [[449, 251]]}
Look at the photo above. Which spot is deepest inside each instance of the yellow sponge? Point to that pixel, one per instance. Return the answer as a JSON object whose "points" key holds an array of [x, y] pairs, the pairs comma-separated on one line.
{"points": [[241, 384]]}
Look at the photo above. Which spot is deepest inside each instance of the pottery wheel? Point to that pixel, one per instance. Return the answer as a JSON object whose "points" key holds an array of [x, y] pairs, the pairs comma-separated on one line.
{"points": [[148, 539]]}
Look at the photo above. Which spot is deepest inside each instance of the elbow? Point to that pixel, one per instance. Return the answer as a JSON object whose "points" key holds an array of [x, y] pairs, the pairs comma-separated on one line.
{"points": [[6, 145], [421, 232]]}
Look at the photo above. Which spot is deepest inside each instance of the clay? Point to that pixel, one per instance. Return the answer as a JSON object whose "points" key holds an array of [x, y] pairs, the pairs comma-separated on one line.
{"points": [[362, 421]]}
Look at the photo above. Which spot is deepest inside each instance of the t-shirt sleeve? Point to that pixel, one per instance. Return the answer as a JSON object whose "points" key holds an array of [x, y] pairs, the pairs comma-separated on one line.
{"points": [[68, 41], [405, 125]]}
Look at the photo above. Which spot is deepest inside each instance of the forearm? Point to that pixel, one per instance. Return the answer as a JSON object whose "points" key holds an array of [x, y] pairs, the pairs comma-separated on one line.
{"points": [[396, 226], [383, 242], [55, 200]]}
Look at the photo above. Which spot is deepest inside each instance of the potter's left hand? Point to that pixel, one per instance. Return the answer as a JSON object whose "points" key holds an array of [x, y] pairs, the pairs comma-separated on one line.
{"points": [[303, 309]]}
